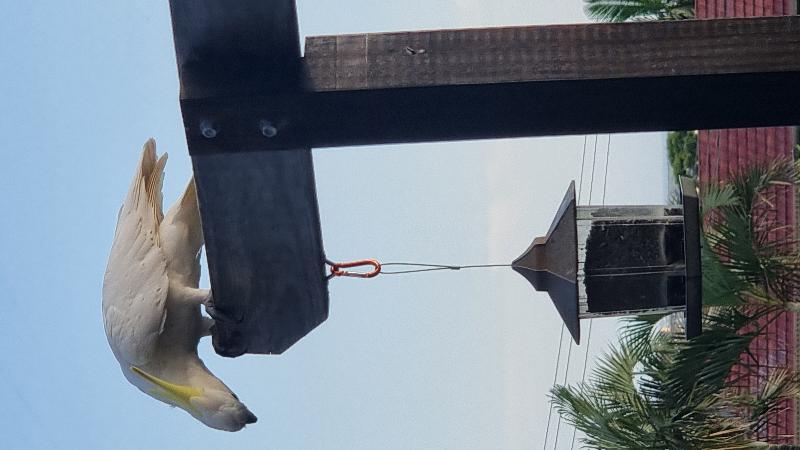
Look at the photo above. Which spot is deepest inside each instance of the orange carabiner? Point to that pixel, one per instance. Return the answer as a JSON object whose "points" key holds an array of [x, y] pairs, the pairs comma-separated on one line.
{"points": [[336, 268]]}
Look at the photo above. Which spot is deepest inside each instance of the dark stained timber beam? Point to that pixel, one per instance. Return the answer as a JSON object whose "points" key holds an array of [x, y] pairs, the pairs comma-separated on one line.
{"points": [[240, 47], [553, 53], [258, 207], [264, 248], [523, 81]]}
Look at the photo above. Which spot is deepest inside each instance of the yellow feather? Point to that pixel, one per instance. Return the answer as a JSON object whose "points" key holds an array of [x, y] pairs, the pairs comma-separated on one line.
{"points": [[176, 394]]}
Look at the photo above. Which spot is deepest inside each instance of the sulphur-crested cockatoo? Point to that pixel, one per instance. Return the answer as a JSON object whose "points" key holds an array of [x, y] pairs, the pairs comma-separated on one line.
{"points": [[151, 301]]}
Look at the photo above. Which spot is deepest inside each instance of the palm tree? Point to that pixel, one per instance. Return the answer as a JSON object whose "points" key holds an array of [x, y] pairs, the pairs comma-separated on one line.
{"points": [[659, 391], [627, 10]]}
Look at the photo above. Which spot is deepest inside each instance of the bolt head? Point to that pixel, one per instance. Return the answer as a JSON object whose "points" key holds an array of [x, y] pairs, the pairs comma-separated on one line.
{"points": [[207, 129], [268, 129]]}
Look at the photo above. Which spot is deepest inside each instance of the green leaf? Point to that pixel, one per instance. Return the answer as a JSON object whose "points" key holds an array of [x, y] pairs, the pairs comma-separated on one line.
{"points": [[625, 10]]}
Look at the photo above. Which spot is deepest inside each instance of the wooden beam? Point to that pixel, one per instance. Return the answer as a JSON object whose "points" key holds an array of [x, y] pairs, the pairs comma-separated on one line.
{"points": [[259, 208], [264, 248], [553, 53], [242, 47], [526, 81]]}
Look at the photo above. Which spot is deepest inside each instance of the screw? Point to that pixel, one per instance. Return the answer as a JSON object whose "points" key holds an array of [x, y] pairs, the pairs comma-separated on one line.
{"points": [[267, 128], [207, 129]]}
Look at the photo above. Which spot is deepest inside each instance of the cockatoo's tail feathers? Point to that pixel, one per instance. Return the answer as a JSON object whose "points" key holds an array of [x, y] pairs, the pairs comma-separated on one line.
{"points": [[135, 285], [150, 176], [186, 211], [189, 198], [183, 238]]}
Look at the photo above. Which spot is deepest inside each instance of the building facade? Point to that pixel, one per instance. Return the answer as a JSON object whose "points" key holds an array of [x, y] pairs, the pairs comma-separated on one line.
{"points": [[725, 152]]}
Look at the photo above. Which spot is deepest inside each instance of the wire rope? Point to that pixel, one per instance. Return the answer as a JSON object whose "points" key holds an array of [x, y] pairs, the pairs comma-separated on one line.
{"points": [[433, 267]]}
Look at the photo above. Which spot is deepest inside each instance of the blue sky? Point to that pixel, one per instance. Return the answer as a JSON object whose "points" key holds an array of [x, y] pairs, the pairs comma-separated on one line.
{"points": [[440, 360]]}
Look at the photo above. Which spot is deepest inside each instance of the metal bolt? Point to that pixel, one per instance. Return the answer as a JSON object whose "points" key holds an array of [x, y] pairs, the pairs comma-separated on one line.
{"points": [[267, 128], [207, 129]]}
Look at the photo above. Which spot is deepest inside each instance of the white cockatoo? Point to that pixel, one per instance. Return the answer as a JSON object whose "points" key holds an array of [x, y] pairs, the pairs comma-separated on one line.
{"points": [[151, 301]]}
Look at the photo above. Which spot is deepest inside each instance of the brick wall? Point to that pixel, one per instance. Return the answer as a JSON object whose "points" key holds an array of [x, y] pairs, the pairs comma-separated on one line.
{"points": [[725, 152]]}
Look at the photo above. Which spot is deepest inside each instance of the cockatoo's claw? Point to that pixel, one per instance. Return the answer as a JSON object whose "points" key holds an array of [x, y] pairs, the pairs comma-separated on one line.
{"points": [[218, 315]]}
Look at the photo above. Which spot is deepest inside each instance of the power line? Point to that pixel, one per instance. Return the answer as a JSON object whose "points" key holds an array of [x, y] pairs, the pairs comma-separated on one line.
{"points": [[583, 375], [591, 320], [566, 373], [569, 352], [594, 160], [605, 177], [583, 163], [555, 380], [560, 342]]}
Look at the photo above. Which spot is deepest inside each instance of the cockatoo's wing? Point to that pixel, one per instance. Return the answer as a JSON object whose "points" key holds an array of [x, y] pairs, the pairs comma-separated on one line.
{"points": [[135, 286], [181, 239]]}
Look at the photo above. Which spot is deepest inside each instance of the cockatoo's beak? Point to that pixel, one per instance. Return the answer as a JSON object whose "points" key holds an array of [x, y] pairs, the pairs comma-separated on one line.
{"points": [[178, 394]]}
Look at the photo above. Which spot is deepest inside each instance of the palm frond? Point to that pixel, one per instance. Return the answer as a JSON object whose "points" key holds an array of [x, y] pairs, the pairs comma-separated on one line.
{"points": [[716, 196], [626, 10], [648, 392], [721, 286], [746, 253], [779, 386], [637, 332], [702, 364]]}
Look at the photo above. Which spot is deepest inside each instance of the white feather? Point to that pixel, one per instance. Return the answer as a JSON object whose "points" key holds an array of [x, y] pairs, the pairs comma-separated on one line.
{"points": [[135, 286]]}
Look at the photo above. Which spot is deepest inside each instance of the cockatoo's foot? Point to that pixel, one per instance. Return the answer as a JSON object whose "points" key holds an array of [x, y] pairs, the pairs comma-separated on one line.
{"points": [[215, 313], [206, 327]]}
